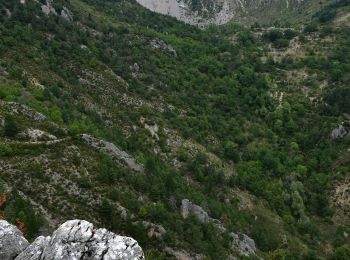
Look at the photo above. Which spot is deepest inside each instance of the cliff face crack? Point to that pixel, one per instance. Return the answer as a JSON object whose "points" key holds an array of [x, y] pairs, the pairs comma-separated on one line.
{"points": [[91, 238], [104, 252], [133, 245], [69, 233]]}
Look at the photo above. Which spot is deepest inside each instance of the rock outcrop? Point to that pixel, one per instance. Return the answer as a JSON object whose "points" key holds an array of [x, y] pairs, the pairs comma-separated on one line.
{"points": [[241, 243], [113, 151], [12, 242], [187, 208], [244, 244], [204, 12], [67, 14], [159, 44], [217, 13], [181, 254], [17, 108], [48, 9], [154, 230], [339, 132], [75, 239]]}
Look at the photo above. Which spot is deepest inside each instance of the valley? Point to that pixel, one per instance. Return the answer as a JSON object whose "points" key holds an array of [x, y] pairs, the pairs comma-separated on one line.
{"points": [[212, 130]]}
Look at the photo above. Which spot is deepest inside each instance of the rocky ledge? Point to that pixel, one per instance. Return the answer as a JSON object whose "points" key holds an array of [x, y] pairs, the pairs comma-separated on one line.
{"points": [[75, 239]]}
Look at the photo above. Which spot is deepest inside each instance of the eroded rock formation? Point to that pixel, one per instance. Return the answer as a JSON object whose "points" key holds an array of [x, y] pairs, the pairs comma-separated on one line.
{"points": [[113, 151], [75, 239]]}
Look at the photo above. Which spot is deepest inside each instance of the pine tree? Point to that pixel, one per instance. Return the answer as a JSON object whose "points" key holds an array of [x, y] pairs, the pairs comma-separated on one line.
{"points": [[10, 128]]}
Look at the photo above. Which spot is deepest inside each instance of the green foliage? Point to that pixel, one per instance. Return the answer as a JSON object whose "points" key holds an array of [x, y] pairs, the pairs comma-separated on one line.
{"points": [[339, 99], [5, 150], [341, 253], [217, 93], [18, 208], [10, 127]]}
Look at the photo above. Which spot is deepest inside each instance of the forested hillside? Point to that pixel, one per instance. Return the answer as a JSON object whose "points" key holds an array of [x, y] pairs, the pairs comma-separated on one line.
{"points": [[231, 141]]}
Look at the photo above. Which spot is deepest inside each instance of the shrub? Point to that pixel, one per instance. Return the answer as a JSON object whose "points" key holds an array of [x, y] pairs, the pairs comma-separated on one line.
{"points": [[5, 150], [10, 128]]}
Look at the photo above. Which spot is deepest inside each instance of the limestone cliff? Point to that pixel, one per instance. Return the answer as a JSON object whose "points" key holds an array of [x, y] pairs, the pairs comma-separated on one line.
{"points": [[75, 239]]}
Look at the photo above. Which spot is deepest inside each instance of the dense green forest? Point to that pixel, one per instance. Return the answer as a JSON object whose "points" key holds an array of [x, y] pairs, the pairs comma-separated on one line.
{"points": [[243, 115]]}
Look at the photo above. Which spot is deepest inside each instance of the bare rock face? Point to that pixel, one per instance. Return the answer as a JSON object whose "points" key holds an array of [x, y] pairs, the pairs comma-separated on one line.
{"points": [[187, 207], [12, 241], [34, 250], [17, 108], [48, 8], [204, 12], [113, 151], [75, 239], [221, 10], [244, 244], [154, 230], [159, 44], [182, 254], [339, 132], [66, 14]]}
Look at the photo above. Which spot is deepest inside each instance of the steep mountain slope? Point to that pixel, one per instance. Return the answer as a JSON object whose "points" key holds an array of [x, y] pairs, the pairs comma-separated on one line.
{"points": [[216, 143], [203, 12]]}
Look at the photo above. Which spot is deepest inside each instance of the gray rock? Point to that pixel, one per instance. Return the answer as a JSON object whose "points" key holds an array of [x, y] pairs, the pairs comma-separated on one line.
{"points": [[8, 13], [243, 243], [187, 208], [34, 250], [159, 44], [114, 151], [48, 8], [172, 202], [135, 67], [154, 230], [67, 14], [3, 72], [182, 254], [12, 242], [17, 108], [75, 239], [339, 132]]}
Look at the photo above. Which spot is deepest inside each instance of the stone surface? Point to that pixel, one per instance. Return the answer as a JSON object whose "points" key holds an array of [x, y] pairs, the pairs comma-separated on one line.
{"points": [[67, 14], [17, 108], [34, 250], [182, 254], [204, 12], [12, 241], [113, 151], [339, 132], [187, 208], [75, 239], [244, 244], [36, 135], [154, 230], [222, 12], [48, 8], [159, 44], [8, 14]]}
